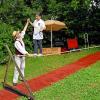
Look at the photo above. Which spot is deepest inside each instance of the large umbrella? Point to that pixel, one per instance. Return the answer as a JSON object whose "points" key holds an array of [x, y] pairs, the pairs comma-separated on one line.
{"points": [[54, 25]]}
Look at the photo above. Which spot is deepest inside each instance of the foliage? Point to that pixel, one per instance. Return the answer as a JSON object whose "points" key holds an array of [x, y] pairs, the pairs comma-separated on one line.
{"points": [[5, 38], [80, 16]]}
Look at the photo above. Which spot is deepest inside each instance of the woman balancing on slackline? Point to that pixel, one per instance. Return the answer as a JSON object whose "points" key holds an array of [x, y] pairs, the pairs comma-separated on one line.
{"points": [[19, 52]]}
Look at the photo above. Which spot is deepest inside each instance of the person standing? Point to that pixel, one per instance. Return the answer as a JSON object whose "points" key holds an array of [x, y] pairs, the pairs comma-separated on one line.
{"points": [[20, 52], [39, 26]]}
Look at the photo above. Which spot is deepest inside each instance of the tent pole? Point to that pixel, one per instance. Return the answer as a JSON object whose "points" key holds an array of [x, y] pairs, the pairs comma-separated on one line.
{"points": [[51, 36]]}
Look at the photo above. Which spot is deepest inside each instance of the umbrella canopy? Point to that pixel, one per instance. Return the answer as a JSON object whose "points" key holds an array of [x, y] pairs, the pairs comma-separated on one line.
{"points": [[54, 25]]}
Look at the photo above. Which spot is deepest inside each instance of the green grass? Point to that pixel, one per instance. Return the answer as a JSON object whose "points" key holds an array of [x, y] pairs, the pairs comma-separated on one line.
{"points": [[40, 65], [83, 85]]}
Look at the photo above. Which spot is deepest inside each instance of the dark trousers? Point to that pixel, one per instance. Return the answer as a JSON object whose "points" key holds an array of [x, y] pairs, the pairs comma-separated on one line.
{"points": [[37, 45]]}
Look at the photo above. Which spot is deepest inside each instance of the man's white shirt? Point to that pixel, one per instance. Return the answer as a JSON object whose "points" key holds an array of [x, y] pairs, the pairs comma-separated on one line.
{"points": [[38, 26]]}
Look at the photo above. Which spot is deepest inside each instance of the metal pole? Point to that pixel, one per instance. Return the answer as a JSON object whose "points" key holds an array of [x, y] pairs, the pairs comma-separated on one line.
{"points": [[86, 40], [52, 18], [51, 36]]}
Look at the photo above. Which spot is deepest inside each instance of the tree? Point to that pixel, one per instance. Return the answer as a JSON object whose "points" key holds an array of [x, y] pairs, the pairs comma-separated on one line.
{"points": [[80, 16]]}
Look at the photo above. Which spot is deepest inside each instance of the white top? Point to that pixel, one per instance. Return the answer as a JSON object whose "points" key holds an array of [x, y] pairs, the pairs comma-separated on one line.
{"points": [[20, 46], [38, 26]]}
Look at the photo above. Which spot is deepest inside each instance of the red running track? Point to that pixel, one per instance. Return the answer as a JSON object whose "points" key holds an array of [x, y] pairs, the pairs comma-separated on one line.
{"points": [[52, 77]]}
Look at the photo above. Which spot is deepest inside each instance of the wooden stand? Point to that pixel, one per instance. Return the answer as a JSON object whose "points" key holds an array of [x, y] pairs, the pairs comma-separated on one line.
{"points": [[11, 88], [54, 50]]}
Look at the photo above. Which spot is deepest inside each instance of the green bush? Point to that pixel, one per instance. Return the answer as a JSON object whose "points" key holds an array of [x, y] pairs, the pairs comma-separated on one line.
{"points": [[5, 38]]}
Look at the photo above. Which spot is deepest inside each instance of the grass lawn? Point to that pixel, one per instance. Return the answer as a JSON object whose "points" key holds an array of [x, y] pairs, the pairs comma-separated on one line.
{"points": [[40, 65], [83, 85]]}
